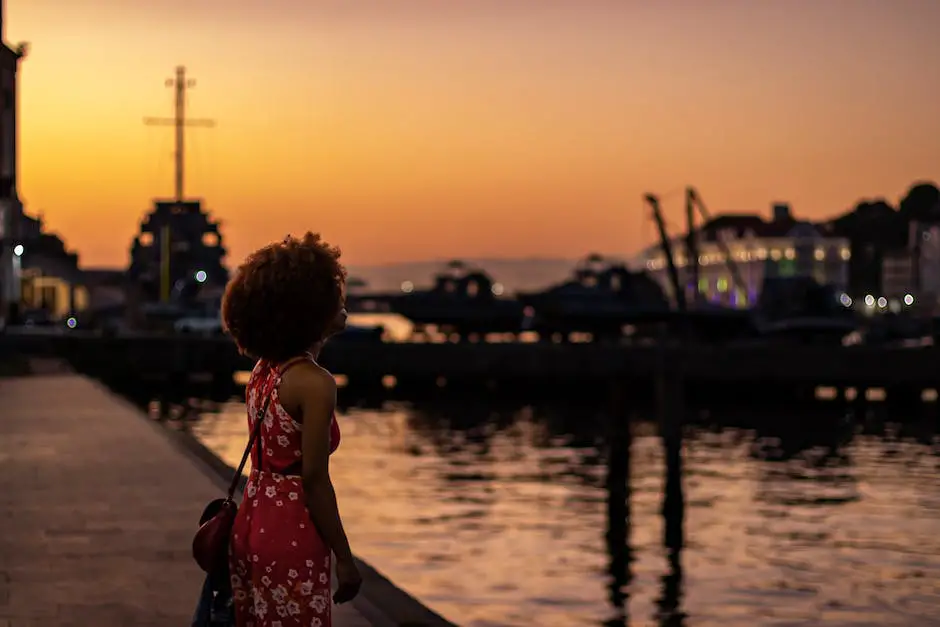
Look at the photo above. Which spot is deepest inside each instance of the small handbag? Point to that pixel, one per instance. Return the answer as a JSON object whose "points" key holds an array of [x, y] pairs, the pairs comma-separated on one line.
{"points": [[210, 544]]}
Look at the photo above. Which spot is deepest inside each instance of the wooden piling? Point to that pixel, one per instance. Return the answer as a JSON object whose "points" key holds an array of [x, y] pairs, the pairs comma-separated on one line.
{"points": [[619, 439]]}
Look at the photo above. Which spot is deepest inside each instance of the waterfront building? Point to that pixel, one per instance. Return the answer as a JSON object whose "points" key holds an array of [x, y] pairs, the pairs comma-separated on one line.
{"points": [[106, 287], [782, 246], [50, 278], [11, 210], [874, 231], [909, 274], [36, 269], [895, 260]]}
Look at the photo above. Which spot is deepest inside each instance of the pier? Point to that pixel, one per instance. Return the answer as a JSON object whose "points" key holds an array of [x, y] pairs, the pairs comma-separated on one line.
{"points": [[704, 371], [99, 509]]}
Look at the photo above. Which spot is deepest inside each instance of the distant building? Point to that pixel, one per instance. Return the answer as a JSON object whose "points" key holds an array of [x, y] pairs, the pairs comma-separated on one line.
{"points": [[874, 230], [910, 274], [107, 289], [895, 252], [897, 276], [178, 255], [780, 247], [50, 279], [10, 208], [36, 269]]}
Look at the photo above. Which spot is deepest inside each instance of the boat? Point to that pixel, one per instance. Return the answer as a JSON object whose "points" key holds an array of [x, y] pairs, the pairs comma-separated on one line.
{"points": [[801, 310], [601, 298], [463, 300]]}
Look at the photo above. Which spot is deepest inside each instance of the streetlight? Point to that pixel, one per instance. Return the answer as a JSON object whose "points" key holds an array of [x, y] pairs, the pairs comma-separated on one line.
{"points": [[201, 276], [18, 250]]}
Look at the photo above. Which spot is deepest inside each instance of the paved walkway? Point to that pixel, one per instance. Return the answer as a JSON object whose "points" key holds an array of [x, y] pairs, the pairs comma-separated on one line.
{"points": [[97, 512]]}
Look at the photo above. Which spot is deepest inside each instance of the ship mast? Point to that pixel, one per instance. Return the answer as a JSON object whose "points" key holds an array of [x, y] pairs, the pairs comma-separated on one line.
{"points": [[179, 121]]}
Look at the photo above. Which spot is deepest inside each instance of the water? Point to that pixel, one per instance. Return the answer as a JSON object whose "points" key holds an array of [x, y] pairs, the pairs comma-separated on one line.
{"points": [[496, 517]]}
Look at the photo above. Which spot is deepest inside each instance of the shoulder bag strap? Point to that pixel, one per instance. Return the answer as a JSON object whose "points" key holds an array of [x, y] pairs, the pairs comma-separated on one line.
{"points": [[259, 419]]}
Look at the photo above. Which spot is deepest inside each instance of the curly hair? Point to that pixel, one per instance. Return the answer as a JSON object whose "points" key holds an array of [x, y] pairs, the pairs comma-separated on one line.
{"points": [[284, 297]]}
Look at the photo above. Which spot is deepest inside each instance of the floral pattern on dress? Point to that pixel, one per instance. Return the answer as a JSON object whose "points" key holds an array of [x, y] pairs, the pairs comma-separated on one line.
{"points": [[280, 567]]}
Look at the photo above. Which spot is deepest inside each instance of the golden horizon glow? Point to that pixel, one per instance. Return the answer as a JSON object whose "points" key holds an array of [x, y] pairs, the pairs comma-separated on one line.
{"points": [[415, 130]]}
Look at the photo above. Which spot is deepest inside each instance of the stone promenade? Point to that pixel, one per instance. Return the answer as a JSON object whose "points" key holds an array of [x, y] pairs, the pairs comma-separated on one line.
{"points": [[97, 511]]}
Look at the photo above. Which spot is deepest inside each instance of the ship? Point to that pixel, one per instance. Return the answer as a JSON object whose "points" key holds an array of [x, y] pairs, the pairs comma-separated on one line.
{"points": [[802, 310], [463, 300], [177, 258], [602, 298]]}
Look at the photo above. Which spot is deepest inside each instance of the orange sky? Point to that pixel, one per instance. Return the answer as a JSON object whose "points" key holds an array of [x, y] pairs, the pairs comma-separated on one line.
{"points": [[414, 129]]}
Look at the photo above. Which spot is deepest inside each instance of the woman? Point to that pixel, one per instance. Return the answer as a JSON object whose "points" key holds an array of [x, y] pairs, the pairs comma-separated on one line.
{"points": [[280, 307]]}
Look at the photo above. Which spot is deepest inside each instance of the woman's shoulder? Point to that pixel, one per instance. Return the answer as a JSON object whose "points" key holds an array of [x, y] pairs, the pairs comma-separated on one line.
{"points": [[303, 382], [309, 373]]}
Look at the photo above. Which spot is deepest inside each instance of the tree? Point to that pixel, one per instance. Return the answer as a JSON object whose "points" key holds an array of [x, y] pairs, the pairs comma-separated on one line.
{"points": [[921, 203]]}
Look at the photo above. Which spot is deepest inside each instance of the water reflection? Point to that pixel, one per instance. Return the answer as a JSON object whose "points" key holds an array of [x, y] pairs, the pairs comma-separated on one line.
{"points": [[555, 516]]}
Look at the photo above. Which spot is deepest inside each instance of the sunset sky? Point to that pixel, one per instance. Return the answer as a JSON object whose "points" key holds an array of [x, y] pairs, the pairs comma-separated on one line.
{"points": [[418, 129]]}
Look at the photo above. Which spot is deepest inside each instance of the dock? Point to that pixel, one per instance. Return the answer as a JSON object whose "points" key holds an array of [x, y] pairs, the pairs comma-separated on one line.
{"points": [[99, 506], [168, 362]]}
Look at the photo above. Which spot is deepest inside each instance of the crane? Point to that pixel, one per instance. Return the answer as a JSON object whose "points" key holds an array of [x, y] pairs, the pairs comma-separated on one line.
{"points": [[693, 204], [694, 201], [653, 202]]}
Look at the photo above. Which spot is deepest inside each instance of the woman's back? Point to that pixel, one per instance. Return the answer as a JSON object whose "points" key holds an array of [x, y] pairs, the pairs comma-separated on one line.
{"points": [[281, 435]]}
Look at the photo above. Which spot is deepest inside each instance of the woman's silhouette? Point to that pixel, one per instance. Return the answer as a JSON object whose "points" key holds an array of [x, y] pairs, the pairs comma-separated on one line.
{"points": [[280, 307]]}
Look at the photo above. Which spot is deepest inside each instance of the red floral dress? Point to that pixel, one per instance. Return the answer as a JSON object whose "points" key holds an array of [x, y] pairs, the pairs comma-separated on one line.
{"points": [[280, 567]]}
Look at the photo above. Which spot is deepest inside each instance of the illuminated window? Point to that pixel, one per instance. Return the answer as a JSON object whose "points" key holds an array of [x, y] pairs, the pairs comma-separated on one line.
{"points": [[722, 284], [703, 286]]}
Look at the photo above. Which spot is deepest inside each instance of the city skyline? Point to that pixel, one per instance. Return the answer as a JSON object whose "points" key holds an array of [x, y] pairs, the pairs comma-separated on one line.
{"points": [[418, 131]]}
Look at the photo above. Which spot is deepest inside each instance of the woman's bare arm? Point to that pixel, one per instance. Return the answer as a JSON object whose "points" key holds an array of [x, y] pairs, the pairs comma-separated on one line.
{"points": [[309, 394]]}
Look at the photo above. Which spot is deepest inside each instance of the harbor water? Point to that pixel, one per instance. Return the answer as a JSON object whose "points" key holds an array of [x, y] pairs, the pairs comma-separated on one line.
{"points": [[498, 516]]}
